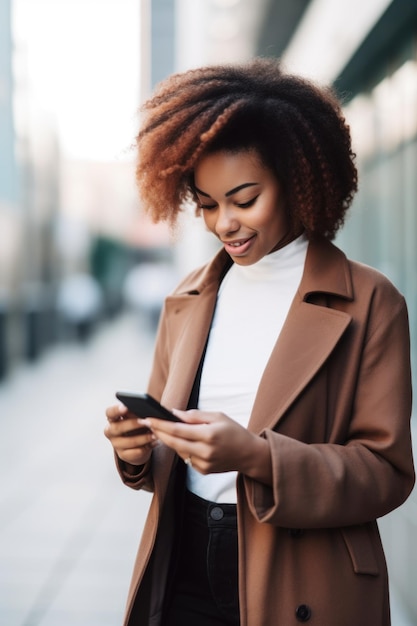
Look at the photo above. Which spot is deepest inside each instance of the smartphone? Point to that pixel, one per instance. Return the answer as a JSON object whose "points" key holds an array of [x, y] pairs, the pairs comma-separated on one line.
{"points": [[143, 405]]}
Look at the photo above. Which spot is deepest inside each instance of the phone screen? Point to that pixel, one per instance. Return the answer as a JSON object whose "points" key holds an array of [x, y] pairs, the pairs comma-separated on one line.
{"points": [[144, 405]]}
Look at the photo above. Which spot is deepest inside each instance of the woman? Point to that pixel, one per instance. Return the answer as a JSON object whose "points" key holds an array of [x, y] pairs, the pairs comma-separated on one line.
{"points": [[297, 359]]}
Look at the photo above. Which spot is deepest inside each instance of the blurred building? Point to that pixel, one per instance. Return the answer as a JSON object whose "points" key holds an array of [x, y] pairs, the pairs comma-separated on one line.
{"points": [[8, 177], [28, 194], [29, 201], [66, 219]]}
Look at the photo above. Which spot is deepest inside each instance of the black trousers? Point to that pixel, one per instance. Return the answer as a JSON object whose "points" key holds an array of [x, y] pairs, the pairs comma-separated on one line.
{"points": [[204, 588]]}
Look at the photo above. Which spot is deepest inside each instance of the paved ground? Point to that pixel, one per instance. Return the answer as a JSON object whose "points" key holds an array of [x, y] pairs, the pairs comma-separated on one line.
{"points": [[68, 528]]}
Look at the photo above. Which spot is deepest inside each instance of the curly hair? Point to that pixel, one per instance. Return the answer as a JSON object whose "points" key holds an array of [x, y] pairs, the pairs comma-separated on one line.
{"points": [[296, 127]]}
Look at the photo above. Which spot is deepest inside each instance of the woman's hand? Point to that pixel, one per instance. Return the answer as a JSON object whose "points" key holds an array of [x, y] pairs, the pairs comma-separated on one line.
{"points": [[215, 443], [130, 437]]}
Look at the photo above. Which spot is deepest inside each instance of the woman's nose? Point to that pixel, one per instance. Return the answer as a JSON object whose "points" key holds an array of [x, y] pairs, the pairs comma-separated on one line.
{"points": [[227, 221]]}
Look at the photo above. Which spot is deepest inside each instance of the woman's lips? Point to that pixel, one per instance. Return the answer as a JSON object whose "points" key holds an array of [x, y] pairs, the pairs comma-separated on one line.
{"points": [[238, 246]]}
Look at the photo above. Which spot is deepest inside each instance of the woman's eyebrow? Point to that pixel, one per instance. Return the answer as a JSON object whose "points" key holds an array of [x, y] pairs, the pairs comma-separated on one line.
{"points": [[197, 190], [228, 193]]}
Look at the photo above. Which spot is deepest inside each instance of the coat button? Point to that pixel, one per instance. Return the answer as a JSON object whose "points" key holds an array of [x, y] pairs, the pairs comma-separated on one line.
{"points": [[303, 613]]}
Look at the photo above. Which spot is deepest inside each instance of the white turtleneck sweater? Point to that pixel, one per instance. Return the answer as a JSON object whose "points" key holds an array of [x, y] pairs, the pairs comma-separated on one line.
{"points": [[252, 304]]}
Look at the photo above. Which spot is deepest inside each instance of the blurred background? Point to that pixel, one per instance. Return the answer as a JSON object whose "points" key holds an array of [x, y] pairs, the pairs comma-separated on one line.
{"points": [[83, 271]]}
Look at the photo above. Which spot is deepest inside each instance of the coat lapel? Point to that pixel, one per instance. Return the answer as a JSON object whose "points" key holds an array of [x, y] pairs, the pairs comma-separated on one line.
{"points": [[189, 314], [195, 318], [308, 337]]}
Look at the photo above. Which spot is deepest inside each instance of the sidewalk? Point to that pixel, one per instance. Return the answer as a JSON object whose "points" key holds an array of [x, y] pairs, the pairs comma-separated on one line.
{"points": [[69, 529]]}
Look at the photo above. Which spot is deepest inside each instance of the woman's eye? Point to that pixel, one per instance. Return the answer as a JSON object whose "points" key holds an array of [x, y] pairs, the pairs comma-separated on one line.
{"points": [[207, 206], [246, 205]]}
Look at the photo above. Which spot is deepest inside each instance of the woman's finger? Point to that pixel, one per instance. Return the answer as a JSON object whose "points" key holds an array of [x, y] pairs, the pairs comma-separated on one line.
{"points": [[116, 412]]}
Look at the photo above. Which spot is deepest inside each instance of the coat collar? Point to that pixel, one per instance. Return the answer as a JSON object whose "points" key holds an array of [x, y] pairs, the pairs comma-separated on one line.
{"points": [[326, 271], [309, 335]]}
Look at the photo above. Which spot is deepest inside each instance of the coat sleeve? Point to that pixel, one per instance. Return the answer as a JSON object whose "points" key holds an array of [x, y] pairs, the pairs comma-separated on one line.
{"points": [[371, 473], [143, 478]]}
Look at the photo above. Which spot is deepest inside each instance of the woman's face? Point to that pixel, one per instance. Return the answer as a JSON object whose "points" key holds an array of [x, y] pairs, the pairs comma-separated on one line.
{"points": [[242, 204]]}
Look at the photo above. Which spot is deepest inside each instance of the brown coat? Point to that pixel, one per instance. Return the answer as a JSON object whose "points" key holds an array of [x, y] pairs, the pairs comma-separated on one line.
{"points": [[334, 404]]}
